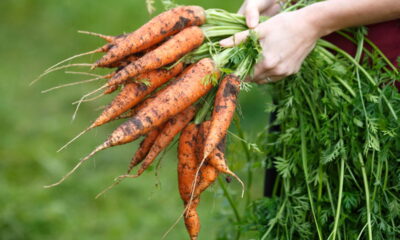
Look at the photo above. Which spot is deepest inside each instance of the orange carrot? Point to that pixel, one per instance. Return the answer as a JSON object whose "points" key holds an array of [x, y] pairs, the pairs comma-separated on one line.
{"points": [[187, 167], [144, 147], [169, 52], [156, 30], [187, 164], [171, 129], [224, 109], [179, 95]]}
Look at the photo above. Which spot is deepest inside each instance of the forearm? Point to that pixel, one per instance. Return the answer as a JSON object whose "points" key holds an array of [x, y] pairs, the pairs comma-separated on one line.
{"points": [[333, 15]]}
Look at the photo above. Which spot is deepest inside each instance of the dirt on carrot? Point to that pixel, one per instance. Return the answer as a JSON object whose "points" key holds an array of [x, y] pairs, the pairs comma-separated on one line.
{"points": [[169, 52], [156, 30]]}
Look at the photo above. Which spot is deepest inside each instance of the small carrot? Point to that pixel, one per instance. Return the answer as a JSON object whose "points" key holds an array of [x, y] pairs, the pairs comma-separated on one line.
{"points": [[171, 129], [169, 52], [156, 30], [144, 147], [217, 156], [224, 109], [179, 95]]}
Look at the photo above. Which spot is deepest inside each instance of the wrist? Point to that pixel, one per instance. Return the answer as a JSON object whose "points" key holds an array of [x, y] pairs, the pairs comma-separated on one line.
{"points": [[319, 17]]}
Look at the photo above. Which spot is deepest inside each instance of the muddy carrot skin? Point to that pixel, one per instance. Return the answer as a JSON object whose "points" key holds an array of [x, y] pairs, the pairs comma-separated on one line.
{"points": [[224, 109], [217, 156], [156, 30], [187, 167], [169, 52], [171, 129], [144, 148], [134, 91], [179, 95]]}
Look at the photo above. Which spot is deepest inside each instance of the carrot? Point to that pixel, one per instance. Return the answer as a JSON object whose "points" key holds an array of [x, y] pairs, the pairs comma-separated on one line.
{"points": [[156, 30], [179, 95], [224, 109], [187, 163], [110, 89], [217, 156], [187, 166], [171, 129], [144, 147], [169, 52], [123, 62]]}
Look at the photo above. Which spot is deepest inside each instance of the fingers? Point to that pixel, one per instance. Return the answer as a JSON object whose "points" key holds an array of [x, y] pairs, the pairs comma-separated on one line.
{"points": [[252, 14], [235, 39]]}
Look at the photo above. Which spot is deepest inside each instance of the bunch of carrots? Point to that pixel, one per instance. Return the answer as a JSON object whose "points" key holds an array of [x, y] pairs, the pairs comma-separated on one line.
{"points": [[168, 71]]}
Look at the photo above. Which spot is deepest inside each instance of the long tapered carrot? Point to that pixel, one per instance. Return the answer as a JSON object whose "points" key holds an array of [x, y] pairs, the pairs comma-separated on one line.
{"points": [[169, 52], [171, 129], [156, 30], [187, 167], [179, 95], [144, 147], [187, 162], [224, 109]]}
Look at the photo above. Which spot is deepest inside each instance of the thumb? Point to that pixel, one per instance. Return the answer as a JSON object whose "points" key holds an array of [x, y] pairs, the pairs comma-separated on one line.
{"points": [[235, 39]]}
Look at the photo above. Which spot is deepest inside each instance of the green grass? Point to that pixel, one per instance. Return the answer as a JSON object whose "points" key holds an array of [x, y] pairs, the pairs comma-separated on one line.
{"points": [[34, 35]]}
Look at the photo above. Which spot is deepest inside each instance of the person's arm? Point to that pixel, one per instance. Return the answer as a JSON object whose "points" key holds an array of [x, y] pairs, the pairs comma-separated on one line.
{"points": [[287, 38]]}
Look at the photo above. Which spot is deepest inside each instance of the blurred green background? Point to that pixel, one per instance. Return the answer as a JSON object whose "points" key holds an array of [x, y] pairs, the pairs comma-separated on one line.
{"points": [[35, 34]]}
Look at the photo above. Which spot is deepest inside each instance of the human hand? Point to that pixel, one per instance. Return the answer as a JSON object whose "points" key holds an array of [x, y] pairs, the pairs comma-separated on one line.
{"points": [[252, 9], [286, 40]]}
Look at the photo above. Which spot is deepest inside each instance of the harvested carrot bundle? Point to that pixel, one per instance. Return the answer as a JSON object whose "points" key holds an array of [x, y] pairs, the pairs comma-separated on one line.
{"points": [[156, 30], [169, 52], [178, 96], [224, 109]]}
